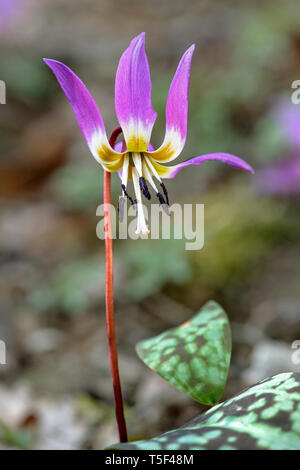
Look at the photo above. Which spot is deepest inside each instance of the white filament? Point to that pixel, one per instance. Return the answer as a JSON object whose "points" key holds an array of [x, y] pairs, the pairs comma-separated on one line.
{"points": [[136, 157], [149, 176], [152, 168], [125, 170]]}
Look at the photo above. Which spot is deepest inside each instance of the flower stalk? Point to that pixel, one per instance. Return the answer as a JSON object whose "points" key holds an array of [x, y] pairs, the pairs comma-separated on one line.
{"points": [[109, 300]]}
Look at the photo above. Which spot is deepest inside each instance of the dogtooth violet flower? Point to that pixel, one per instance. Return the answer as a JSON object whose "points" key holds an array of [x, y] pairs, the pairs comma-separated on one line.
{"points": [[135, 159]]}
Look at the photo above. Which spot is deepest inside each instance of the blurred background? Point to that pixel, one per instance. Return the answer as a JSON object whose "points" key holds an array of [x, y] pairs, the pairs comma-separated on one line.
{"points": [[55, 390]]}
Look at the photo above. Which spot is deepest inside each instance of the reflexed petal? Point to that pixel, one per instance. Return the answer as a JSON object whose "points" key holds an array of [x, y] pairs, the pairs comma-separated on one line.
{"points": [[116, 166], [133, 96], [176, 111], [86, 111], [171, 172]]}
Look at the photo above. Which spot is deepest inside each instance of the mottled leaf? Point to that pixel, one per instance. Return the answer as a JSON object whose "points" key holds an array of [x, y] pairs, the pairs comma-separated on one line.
{"points": [[266, 416], [195, 356]]}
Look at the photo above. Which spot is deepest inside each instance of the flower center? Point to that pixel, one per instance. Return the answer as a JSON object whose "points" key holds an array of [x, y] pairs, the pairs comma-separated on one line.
{"points": [[142, 171]]}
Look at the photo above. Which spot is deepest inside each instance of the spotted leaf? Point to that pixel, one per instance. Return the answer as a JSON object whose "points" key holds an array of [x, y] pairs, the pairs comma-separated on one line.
{"points": [[266, 416], [195, 356]]}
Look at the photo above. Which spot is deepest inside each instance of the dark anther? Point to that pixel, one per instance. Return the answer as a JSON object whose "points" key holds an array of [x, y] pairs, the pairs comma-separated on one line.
{"points": [[144, 188], [160, 198], [121, 204], [126, 194], [165, 192], [163, 203]]}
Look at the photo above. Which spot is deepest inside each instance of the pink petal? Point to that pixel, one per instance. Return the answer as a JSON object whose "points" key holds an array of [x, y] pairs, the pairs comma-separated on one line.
{"points": [[223, 157], [133, 96], [86, 111], [176, 111]]}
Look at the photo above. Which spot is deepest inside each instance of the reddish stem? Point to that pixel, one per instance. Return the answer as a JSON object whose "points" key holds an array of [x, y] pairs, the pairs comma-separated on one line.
{"points": [[109, 298]]}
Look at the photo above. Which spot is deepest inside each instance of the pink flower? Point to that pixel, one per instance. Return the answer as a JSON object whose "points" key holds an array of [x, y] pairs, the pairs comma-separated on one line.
{"points": [[135, 158], [282, 178]]}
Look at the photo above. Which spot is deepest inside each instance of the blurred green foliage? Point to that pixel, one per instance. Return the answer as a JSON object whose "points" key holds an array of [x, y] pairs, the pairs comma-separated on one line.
{"points": [[71, 286], [18, 438], [28, 80], [153, 264], [241, 227]]}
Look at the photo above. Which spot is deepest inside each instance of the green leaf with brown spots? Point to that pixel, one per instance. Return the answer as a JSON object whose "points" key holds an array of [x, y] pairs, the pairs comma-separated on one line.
{"points": [[195, 356], [266, 416]]}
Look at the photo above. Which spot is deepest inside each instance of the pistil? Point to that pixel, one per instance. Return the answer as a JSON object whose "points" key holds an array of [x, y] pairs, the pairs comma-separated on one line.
{"points": [[141, 223]]}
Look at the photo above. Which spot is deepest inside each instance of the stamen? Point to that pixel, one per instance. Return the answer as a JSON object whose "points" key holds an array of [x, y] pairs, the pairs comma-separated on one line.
{"points": [[165, 192], [136, 157], [126, 194], [151, 166], [160, 198], [163, 203], [144, 188], [125, 179], [149, 176], [125, 170]]}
